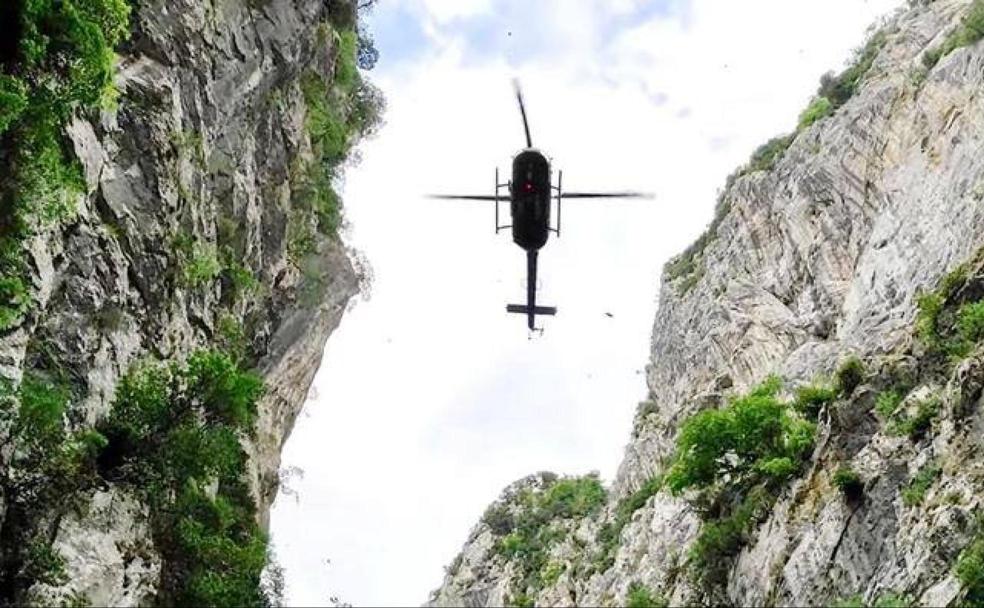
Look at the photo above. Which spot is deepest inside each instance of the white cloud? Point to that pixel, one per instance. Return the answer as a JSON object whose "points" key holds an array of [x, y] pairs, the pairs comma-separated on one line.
{"points": [[443, 11], [431, 398]]}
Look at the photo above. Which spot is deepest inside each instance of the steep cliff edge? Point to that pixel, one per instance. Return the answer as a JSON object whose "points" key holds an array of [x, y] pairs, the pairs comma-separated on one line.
{"points": [[813, 429], [168, 223]]}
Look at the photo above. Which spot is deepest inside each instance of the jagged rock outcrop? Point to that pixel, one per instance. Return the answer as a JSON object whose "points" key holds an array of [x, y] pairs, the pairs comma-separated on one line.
{"points": [[820, 256], [189, 234]]}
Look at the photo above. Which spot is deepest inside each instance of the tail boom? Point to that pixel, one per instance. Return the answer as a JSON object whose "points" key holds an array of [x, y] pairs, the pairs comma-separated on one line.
{"points": [[531, 309]]}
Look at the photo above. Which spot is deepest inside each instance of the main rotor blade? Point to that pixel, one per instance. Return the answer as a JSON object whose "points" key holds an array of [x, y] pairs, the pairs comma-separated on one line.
{"points": [[606, 195], [468, 197], [522, 110]]}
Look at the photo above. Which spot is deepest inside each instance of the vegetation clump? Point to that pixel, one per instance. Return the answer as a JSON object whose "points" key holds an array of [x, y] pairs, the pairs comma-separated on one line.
{"points": [[811, 398], [887, 403], [970, 30], [738, 458], [173, 434], [531, 522], [970, 570], [850, 375], [849, 483], [818, 108], [339, 112], [839, 88], [950, 321], [63, 63], [916, 425], [689, 264], [47, 472], [640, 596], [913, 494]]}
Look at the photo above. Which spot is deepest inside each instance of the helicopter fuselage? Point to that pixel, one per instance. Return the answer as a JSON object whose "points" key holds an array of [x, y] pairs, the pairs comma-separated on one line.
{"points": [[530, 192]]}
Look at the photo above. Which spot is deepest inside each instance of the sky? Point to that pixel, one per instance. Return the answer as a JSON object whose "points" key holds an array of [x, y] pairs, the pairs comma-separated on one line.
{"points": [[430, 399]]}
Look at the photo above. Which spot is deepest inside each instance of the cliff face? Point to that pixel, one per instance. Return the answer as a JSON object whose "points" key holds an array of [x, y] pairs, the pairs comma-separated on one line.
{"points": [[206, 220], [820, 252]]}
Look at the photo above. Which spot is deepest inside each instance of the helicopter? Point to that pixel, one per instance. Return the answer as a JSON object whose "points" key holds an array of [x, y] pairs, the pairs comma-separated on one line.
{"points": [[530, 192]]}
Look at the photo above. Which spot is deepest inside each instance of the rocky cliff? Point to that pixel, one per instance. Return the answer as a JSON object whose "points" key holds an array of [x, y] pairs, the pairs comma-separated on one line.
{"points": [[813, 431], [171, 271]]}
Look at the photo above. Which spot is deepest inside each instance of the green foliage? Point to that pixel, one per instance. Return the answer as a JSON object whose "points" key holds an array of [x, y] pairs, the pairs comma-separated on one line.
{"points": [[368, 105], [231, 337], [499, 519], [970, 321], [849, 482], [834, 92], [818, 108], [533, 527], [190, 144], [811, 398], [721, 538], [325, 126], [337, 114], [946, 327], [743, 441], [346, 72], [64, 63], [739, 457], [640, 596], [551, 572], [201, 266], [854, 601], [970, 570], [573, 497], [913, 494], [44, 565], [887, 402], [768, 154], [173, 430], [13, 301], [916, 425], [13, 100], [849, 375], [521, 600], [689, 264], [841, 87], [47, 469], [777, 469], [242, 278], [222, 550], [971, 30], [222, 389], [892, 600]]}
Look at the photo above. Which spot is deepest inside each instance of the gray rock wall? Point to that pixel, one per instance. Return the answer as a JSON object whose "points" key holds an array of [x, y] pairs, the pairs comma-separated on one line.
{"points": [[204, 146]]}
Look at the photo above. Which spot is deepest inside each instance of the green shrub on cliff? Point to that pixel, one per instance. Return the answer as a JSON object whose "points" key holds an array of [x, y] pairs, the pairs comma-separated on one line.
{"points": [[534, 521], [640, 596], [970, 570], [47, 469], [173, 431], [738, 458]]}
